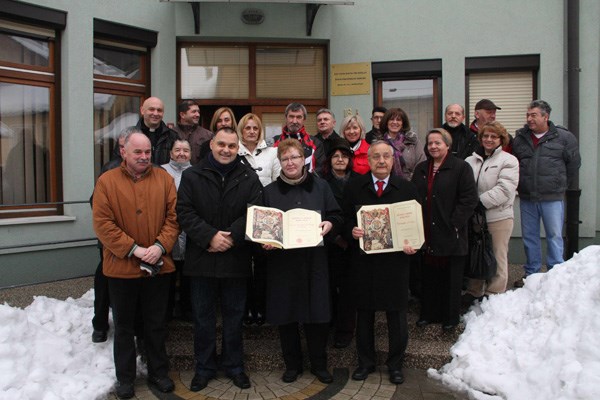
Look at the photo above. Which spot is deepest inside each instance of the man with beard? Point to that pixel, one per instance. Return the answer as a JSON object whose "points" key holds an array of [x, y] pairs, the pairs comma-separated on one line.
{"points": [[464, 142], [485, 111], [295, 116], [188, 128]]}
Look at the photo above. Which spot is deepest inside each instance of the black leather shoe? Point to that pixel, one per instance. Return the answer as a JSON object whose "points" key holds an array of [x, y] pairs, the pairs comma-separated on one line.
{"points": [[124, 390], [249, 318], [361, 373], [396, 376], [165, 384], [448, 327], [290, 375], [99, 336], [322, 375], [341, 343], [422, 323], [199, 382], [260, 318], [240, 380], [519, 283]]}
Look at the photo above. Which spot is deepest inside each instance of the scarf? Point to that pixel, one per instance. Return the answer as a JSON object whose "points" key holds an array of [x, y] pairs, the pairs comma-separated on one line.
{"points": [[309, 146], [222, 169], [294, 182], [398, 146]]}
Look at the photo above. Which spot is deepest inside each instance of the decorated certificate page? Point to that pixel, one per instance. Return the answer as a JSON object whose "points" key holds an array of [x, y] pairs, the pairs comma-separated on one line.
{"points": [[388, 227], [291, 229]]}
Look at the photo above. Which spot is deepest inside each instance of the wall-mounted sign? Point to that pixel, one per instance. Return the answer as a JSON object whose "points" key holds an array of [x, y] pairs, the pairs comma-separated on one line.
{"points": [[350, 79]]}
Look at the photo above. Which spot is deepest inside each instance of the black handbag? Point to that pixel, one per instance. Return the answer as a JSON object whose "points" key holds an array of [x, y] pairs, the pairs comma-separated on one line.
{"points": [[482, 262]]}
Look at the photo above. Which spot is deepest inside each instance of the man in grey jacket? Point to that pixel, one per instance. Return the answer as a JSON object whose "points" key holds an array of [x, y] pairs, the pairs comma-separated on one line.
{"points": [[549, 161]]}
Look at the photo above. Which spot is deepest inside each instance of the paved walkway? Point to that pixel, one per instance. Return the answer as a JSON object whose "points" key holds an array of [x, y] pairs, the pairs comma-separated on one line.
{"points": [[268, 385], [265, 384]]}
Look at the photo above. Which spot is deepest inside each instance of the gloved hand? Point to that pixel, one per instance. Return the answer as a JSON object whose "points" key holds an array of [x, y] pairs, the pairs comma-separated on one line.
{"points": [[151, 269]]}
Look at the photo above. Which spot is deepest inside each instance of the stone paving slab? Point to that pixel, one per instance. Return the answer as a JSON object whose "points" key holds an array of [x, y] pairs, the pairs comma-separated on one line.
{"points": [[267, 385]]}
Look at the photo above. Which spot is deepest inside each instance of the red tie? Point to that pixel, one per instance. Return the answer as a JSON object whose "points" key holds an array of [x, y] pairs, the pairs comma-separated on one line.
{"points": [[380, 188]]}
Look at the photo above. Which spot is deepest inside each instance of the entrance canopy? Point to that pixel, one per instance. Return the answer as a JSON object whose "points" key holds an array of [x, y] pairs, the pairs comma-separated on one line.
{"points": [[312, 7]]}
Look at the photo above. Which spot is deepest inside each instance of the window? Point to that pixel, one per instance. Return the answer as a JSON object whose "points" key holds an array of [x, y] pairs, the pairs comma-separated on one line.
{"points": [[413, 86], [508, 81], [29, 139], [121, 82], [276, 66], [258, 77]]}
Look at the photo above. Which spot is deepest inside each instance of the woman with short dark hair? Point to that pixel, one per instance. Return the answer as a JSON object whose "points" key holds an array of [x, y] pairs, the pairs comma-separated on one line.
{"points": [[298, 279]]}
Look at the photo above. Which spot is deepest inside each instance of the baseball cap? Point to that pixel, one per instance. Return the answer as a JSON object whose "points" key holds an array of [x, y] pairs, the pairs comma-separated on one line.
{"points": [[485, 104]]}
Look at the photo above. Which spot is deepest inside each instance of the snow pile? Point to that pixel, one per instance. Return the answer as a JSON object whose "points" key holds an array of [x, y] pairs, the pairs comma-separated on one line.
{"points": [[46, 352], [540, 342]]}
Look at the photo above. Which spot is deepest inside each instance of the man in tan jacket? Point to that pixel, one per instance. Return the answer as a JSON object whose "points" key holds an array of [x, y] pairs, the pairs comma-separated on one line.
{"points": [[135, 220]]}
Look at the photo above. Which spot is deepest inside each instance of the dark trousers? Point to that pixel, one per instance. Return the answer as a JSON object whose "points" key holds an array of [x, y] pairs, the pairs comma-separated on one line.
{"points": [[340, 286], [397, 338], [416, 270], [316, 342], [179, 292], [146, 297], [101, 299], [442, 286], [206, 294], [257, 283]]}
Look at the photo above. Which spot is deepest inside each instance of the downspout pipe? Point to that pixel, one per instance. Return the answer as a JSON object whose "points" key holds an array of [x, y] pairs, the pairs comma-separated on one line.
{"points": [[573, 70]]}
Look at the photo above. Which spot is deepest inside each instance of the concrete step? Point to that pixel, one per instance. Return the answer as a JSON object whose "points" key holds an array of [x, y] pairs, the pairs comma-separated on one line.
{"points": [[428, 347]]}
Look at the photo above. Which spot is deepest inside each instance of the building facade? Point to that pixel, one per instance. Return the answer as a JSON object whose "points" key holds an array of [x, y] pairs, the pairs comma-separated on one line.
{"points": [[72, 74]]}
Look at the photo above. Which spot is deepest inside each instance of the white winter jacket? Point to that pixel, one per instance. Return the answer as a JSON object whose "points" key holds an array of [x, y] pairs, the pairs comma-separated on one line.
{"points": [[497, 178], [263, 161]]}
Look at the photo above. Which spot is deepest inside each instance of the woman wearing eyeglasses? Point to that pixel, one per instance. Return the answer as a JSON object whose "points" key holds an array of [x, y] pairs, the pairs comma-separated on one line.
{"points": [[298, 279], [497, 176], [338, 172]]}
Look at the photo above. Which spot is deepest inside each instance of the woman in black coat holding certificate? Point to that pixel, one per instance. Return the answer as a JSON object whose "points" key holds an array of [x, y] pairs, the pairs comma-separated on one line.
{"points": [[380, 280], [297, 279]]}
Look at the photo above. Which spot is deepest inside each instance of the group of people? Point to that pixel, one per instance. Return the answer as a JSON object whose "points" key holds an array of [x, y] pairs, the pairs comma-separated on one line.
{"points": [[184, 224]]}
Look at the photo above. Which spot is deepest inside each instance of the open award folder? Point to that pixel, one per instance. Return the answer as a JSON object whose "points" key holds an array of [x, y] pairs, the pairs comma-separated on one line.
{"points": [[388, 227], [291, 229]]}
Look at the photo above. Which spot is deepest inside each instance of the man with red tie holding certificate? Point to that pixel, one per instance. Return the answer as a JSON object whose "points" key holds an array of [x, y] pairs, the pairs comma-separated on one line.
{"points": [[381, 279]]}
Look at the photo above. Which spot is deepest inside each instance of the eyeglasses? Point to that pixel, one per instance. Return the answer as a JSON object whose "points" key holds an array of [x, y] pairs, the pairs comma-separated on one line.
{"points": [[292, 158], [386, 156], [492, 137], [341, 156]]}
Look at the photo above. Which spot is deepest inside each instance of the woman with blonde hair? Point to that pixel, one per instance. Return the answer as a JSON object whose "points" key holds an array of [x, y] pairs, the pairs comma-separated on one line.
{"points": [[496, 174], [353, 130], [448, 195], [254, 152], [224, 116]]}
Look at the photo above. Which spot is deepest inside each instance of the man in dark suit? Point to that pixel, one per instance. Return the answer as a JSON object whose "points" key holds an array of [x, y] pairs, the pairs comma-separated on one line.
{"points": [[381, 280]]}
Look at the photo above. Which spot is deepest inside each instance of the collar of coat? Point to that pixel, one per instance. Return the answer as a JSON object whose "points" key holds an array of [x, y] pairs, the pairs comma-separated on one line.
{"points": [[306, 185]]}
